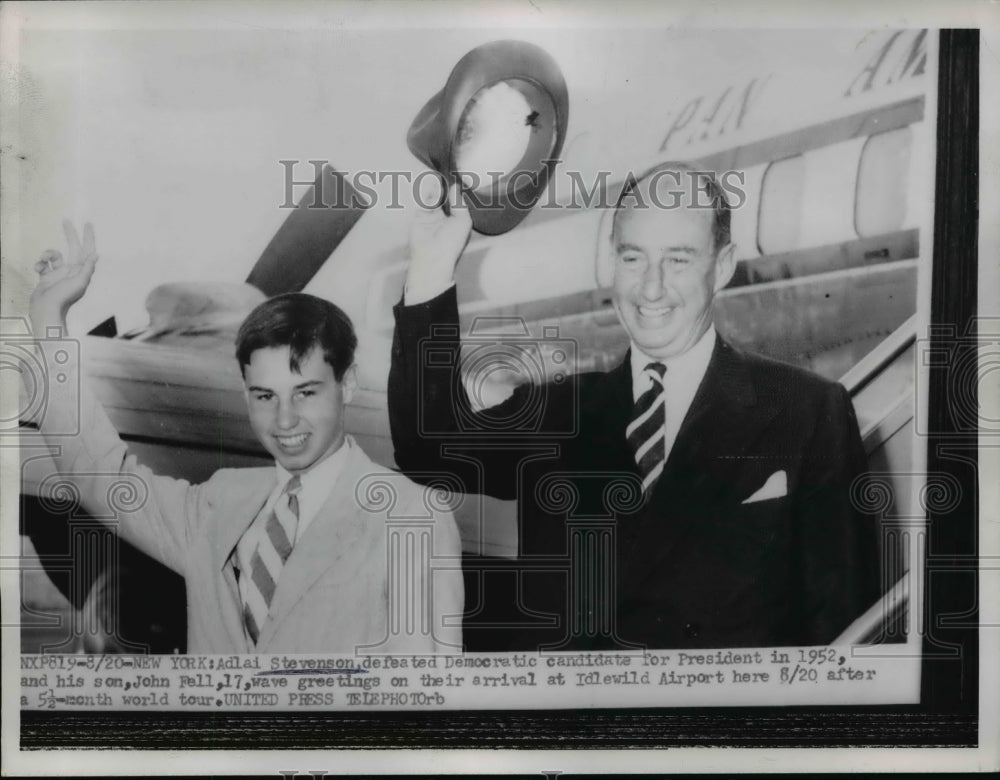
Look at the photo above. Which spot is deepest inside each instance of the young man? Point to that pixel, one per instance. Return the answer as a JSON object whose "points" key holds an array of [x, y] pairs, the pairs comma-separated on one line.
{"points": [[286, 559], [722, 480]]}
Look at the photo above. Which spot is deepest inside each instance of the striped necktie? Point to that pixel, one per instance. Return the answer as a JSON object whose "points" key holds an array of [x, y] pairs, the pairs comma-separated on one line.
{"points": [[645, 434], [269, 558]]}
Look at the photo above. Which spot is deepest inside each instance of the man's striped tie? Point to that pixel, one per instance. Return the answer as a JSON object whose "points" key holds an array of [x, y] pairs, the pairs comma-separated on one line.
{"points": [[269, 558], [645, 434]]}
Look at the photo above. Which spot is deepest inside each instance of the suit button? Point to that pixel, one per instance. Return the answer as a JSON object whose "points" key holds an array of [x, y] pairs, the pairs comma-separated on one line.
{"points": [[692, 630]]}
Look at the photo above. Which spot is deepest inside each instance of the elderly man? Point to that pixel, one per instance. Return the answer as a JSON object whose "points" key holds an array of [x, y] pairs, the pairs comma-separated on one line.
{"points": [[289, 558], [722, 478]]}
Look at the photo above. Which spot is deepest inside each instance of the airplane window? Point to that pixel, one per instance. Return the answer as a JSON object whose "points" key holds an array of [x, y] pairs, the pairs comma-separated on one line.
{"points": [[779, 217], [880, 202]]}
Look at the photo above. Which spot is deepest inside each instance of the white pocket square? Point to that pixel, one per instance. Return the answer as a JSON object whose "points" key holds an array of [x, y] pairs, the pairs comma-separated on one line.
{"points": [[775, 487]]}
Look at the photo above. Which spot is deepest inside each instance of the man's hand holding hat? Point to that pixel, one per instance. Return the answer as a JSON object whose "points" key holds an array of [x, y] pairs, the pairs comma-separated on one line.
{"points": [[437, 239], [502, 118]]}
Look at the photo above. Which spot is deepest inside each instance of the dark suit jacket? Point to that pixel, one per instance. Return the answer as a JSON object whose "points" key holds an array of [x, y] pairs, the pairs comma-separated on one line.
{"points": [[690, 566]]}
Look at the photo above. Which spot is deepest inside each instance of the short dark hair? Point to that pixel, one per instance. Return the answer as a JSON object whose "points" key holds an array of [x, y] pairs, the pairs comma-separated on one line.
{"points": [[721, 209], [301, 322]]}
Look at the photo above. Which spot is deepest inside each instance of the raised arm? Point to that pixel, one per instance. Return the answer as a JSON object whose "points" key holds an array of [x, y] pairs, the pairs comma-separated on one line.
{"points": [[434, 427], [85, 446]]}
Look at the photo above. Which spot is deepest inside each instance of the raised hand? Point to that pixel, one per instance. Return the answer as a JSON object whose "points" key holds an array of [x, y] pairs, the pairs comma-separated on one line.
{"points": [[437, 238], [62, 282]]}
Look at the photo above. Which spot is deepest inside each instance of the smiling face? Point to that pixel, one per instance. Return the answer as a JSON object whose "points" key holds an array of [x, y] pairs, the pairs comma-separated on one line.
{"points": [[667, 272], [297, 415]]}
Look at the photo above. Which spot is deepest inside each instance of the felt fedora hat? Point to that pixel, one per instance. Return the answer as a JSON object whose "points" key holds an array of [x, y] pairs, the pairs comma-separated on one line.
{"points": [[498, 127]]}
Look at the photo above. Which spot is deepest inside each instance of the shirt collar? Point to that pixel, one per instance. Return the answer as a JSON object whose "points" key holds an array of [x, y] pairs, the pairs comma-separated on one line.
{"points": [[688, 367], [322, 475]]}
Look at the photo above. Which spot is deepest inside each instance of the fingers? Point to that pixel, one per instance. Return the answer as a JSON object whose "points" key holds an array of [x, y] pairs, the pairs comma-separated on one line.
{"points": [[87, 267], [82, 256], [432, 199], [50, 260], [89, 244], [456, 197], [78, 252], [430, 191], [459, 219], [72, 241]]}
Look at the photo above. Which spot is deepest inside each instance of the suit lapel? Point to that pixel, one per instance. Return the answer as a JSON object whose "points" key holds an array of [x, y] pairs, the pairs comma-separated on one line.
{"points": [[722, 420], [228, 530], [725, 418], [605, 414], [331, 539], [241, 512]]}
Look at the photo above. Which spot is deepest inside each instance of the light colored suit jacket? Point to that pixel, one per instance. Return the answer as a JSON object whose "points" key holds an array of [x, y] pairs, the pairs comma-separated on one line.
{"points": [[347, 585]]}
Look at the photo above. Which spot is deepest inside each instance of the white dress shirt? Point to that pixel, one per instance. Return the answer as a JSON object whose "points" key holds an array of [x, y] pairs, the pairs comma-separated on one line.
{"points": [[316, 486], [680, 383]]}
